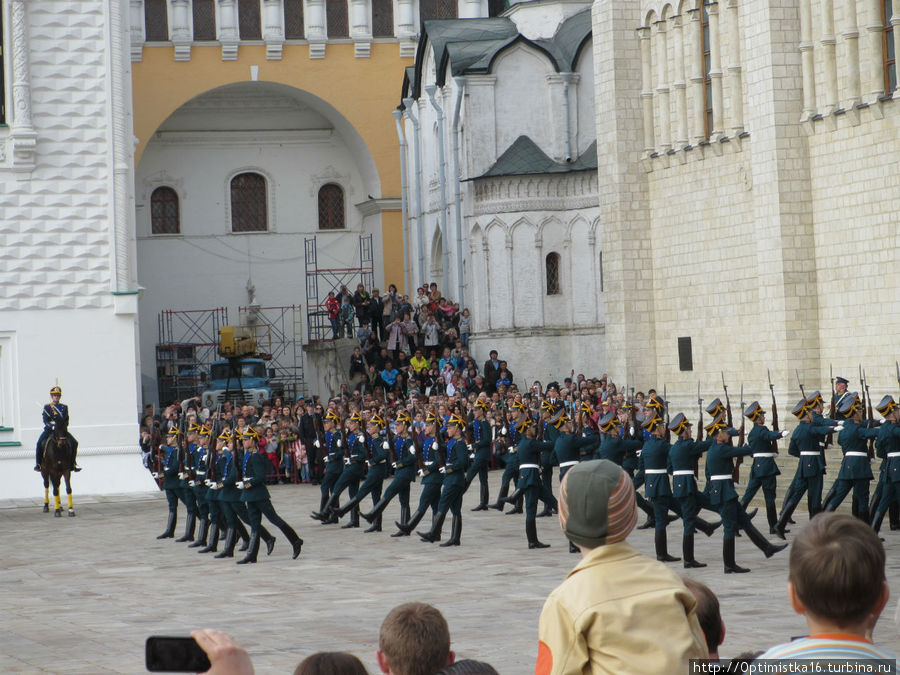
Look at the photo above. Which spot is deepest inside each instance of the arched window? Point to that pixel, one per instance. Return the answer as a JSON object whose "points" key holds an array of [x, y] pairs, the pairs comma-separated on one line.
{"points": [[437, 9], [248, 203], [204, 20], [164, 217], [382, 18], [156, 21], [331, 207], [248, 19], [336, 17], [552, 265], [888, 53], [293, 19], [706, 57]]}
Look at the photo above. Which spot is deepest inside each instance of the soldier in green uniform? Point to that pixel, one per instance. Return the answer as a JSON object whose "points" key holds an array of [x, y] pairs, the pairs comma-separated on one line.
{"points": [[480, 452], [567, 449], [855, 473], [171, 484], [762, 442], [887, 447], [216, 515], [333, 455], [723, 496], [549, 408], [199, 461], [452, 490], [430, 470], [529, 485], [376, 453], [511, 470], [804, 444], [683, 456], [655, 454], [403, 460], [354, 442], [185, 480], [616, 448], [255, 495]]}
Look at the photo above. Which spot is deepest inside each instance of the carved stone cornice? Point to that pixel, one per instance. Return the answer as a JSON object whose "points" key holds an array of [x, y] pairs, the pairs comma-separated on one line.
{"points": [[535, 192]]}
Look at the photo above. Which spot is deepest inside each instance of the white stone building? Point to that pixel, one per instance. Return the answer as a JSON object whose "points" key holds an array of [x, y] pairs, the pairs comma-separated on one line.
{"points": [[747, 176], [501, 191], [68, 292]]}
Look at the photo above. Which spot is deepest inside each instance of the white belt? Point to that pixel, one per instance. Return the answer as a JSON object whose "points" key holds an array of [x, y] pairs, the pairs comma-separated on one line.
{"points": [[683, 472], [513, 451], [529, 466], [855, 454], [655, 471], [721, 476], [893, 454], [763, 454], [815, 453], [428, 463], [562, 464]]}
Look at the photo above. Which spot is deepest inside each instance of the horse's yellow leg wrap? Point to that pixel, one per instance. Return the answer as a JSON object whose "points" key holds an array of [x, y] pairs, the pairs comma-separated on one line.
{"points": [[56, 500], [46, 495], [70, 500]]}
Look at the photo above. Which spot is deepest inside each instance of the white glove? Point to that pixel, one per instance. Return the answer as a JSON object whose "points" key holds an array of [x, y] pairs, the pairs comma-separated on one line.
{"points": [[362, 439], [471, 455], [882, 421], [443, 469], [191, 483], [435, 446], [631, 431], [394, 465], [503, 431], [208, 482], [412, 450], [784, 434], [421, 472], [325, 459], [181, 475], [214, 487], [469, 446], [386, 445], [239, 485], [839, 427], [347, 461], [317, 444], [338, 442]]}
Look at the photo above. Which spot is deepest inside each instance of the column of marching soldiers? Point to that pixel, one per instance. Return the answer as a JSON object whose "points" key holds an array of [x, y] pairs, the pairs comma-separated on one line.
{"points": [[224, 486]]}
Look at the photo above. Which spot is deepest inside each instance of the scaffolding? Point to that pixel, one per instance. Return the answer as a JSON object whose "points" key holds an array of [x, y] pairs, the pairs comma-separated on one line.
{"points": [[280, 329], [187, 344], [320, 281]]}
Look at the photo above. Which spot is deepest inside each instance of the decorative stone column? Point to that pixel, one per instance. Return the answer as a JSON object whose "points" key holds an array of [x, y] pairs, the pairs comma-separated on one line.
{"points": [[829, 63], [662, 86], [695, 49], [678, 83], [360, 28], [895, 24], [735, 73], [807, 60], [136, 27], [181, 30], [647, 90], [874, 64], [850, 57], [273, 28], [406, 28], [315, 28], [22, 136], [228, 29], [715, 73]]}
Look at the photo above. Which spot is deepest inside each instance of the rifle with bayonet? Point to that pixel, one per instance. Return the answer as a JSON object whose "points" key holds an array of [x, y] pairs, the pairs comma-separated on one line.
{"points": [[774, 411], [868, 412], [799, 384], [699, 430], [829, 439], [729, 418]]}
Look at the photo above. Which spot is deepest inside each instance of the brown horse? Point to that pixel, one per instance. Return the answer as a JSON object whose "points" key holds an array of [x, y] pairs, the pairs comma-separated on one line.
{"points": [[57, 463]]}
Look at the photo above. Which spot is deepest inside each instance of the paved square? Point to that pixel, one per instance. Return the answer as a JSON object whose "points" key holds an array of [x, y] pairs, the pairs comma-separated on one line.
{"points": [[80, 595]]}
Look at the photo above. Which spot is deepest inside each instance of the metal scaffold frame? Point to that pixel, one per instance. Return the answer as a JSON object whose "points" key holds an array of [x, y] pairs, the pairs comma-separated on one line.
{"points": [[187, 344], [320, 281], [280, 330]]}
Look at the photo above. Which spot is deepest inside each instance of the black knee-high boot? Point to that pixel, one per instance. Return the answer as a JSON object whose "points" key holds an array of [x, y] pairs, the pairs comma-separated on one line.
{"points": [[531, 534], [705, 527], [170, 526], [407, 526], [376, 511], [189, 528], [786, 511], [484, 496], [455, 532], [354, 518], [242, 534], [762, 543], [201, 537], [437, 524], [662, 547], [731, 567], [228, 548], [253, 549], [404, 518], [213, 538], [687, 550], [322, 513]]}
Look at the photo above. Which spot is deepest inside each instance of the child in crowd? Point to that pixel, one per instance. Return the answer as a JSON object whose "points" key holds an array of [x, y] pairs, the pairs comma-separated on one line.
{"points": [[837, 581], [347, 317], [465, 327], [302, 460]]}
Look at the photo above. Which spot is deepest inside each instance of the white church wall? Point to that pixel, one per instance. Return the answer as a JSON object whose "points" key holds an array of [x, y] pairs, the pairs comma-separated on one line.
{"points": [[523, 95], [527, 274], [585, 125]]}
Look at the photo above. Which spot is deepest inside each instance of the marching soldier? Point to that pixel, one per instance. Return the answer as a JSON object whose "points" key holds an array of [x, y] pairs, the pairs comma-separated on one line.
{"points": [[55, 413], [547, 458], [840, 392], [404, 463], [376, 459], [616, 449], [171, 484], [185, 487], [683, 456], [199, 461], [804, 444], [511, 470], [722, 495], [887, 446], [655, 454], [764, 470], [855, 471], [567, 449], [480, 453], [888, 406], [454, 481], [529, 486], [216, 514], [333, 455], [354, 471], [430, 471], [255, 495]]}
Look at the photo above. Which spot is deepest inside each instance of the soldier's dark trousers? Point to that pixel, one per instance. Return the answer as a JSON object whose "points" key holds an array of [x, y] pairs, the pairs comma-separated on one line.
{"points": [[842, 488]]}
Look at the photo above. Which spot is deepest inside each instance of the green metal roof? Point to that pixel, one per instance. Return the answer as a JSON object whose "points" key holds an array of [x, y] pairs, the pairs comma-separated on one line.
{"points": [[524, 157]]}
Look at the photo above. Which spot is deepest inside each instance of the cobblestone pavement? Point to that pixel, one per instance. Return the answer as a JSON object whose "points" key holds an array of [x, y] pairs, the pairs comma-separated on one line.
{"points": [[80, 595]]}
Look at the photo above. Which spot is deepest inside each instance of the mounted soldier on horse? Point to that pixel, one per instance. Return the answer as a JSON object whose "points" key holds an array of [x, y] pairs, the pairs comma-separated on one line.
{"points": [[56, 452]]}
